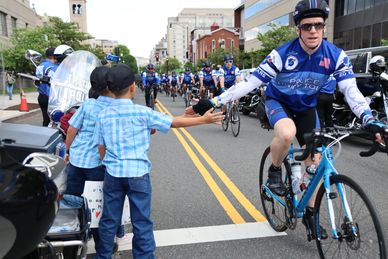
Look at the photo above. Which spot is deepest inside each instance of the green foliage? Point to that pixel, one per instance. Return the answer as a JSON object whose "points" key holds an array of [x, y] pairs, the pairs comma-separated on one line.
{"points": [[173, 64], [384, 42], [127, 58], [67, 33], [273, 38], [217, 57]]}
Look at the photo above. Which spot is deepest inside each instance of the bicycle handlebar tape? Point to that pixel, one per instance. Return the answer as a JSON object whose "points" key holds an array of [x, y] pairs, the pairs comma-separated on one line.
{"points": [[202, 106]]}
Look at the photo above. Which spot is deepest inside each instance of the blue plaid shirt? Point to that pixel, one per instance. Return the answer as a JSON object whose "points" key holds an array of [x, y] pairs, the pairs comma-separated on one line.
{"points": [[124, 129], [83, 150]]}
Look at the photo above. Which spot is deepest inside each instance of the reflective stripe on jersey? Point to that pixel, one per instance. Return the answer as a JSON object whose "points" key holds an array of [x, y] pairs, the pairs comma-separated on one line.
{"points": [[230, 75]]}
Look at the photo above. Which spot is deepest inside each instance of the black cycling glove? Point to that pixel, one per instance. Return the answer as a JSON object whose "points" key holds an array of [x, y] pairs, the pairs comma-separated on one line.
{"points": [[202, 106]]}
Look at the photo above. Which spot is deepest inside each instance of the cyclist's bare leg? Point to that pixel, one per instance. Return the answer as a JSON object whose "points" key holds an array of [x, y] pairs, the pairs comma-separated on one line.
{"points": [[284, 134]]}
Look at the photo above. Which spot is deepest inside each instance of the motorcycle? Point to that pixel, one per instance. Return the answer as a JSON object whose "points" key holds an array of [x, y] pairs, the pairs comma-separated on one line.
{"points": [[254, 102], [376, 94]]}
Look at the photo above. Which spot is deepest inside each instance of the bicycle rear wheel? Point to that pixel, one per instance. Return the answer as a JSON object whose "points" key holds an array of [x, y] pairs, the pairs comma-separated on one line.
{"points": [[235, 120], [273, 210], [361, 238]]}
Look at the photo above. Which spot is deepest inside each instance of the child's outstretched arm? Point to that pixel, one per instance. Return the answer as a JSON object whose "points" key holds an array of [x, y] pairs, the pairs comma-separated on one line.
{"points": [[207, 118], [70, 135]]}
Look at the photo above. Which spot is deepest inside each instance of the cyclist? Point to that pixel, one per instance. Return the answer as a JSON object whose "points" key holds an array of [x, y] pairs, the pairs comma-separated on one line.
{"points": [[174, 84], [61, 52], [218, 77], [206, 80], [231, 73], [187, 81], [295, 73], [150, 80]]}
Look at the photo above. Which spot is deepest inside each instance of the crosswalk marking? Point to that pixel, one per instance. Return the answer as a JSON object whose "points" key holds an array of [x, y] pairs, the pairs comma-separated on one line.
{"points": [[184, 236]]}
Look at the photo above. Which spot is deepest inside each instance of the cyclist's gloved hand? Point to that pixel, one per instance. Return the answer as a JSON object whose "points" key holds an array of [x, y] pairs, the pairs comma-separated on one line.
{"points": [[222, 89], [375, 126], [204, 105]]}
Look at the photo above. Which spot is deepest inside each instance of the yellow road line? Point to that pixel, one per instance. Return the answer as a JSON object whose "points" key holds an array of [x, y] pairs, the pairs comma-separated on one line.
{"points": [[221, 197], [249, 207]]}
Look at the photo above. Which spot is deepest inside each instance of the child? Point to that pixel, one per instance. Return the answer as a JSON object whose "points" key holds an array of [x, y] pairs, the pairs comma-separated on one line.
{"points": [[84, 160], [123, 135]]}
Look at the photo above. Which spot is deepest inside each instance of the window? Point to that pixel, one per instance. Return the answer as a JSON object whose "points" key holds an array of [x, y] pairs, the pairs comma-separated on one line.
{"points": [[213, 45], [384, 34], [13, 23], [232, 44], [376, 35], [77, 9], [258, 7], [3, 24], [366, 35], [357, 43], [360, 5], [222, 43], [351, 6], [359, 62]]}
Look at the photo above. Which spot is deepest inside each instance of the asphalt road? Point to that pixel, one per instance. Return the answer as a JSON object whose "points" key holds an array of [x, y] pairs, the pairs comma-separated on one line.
{"points": [[217, 188]]}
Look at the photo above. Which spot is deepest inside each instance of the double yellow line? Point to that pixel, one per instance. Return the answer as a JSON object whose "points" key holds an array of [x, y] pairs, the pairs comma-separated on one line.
{"points": [[230, 210]]}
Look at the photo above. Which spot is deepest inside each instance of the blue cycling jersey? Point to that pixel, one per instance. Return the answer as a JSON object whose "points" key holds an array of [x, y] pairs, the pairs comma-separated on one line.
{"points": [[150, 78], [174, 80], [46, 68], [207, 77], [295, 78], [230, 75], [330, 86], [187, 78]]}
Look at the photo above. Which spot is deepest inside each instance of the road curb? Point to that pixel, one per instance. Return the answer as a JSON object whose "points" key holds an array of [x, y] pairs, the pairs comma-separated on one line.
{"points": [[20, 116]]}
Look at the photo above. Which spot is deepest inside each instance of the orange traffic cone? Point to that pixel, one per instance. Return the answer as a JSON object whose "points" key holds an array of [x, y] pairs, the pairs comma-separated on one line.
{"points": [[23, 105]]}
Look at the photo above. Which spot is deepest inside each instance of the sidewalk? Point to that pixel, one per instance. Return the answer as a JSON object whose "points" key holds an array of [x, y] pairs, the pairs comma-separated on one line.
{"points": [[10, 108]]}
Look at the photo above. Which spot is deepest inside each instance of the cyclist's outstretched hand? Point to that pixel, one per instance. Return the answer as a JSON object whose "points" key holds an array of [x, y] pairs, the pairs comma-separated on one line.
{"points": [[213, 117], [203, 106]]}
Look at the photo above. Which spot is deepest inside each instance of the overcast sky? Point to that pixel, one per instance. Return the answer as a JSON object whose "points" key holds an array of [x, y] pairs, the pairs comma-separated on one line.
{"points": [[137, 24]]}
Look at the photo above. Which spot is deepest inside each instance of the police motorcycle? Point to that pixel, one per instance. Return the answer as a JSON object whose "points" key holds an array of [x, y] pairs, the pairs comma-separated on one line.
{"points": [[40, 222], [375, 90]]}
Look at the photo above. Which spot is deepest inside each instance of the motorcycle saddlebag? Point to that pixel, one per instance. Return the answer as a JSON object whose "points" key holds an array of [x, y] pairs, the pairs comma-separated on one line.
{"points": [[20, 140]]}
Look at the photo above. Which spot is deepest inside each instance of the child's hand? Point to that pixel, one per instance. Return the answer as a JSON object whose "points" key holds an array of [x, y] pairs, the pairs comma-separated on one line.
{"points": [[213, 117]]}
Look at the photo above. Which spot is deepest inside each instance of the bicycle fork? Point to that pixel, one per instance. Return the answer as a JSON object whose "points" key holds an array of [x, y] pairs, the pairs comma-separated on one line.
{"points": [[348, 215]]}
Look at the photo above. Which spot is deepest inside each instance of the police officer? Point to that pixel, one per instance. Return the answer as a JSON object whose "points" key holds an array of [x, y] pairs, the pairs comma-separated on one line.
{"points": [[150, 79]]}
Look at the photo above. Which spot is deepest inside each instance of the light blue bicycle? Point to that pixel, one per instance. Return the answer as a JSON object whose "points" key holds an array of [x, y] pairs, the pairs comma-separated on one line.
{"points": [[341, 206]]}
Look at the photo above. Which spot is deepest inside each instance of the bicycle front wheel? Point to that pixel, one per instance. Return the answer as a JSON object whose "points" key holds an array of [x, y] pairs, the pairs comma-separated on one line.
{"points": [[360, 238], [235, 120], [273, 210], [225, 121]]}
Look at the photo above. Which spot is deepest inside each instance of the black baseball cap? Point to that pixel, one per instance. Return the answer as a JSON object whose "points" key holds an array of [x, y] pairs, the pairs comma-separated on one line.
{"points": [[50, 52], [98, 78], [120, 77]]}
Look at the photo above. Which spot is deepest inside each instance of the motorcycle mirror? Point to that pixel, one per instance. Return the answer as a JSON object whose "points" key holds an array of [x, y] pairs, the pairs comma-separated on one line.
{"points": [[33, 56]]}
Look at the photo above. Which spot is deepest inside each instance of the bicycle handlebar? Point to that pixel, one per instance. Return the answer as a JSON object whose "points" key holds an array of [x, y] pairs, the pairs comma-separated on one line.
{"points": [[314, 140]]}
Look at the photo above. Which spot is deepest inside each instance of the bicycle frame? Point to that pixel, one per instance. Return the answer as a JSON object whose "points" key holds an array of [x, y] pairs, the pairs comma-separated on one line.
{"points": [[324, 170]]}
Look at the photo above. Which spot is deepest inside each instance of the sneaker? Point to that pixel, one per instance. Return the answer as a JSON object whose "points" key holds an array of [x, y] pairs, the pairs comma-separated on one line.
{"points": [[275, 183], [308, 222]]}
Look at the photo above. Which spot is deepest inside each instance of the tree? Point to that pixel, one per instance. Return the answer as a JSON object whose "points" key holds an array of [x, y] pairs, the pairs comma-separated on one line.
{"points": [[68, 33], [173, 64], [384, 42], [126, 57], [273, 38]]}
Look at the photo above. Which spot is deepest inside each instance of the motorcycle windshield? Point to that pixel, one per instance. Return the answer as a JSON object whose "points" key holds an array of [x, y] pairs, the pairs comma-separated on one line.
{"points": [[70, 83]]}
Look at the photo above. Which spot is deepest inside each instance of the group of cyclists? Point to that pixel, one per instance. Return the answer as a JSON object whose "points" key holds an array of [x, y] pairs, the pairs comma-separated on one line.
{"points": [[210, 81]]}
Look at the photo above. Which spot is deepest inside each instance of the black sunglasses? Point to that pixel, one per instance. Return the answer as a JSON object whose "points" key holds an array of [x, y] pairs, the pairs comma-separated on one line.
{"points": [[309, 26]]}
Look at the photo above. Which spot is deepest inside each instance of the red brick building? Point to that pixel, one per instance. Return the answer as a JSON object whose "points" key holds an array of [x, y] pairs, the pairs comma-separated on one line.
{"points": [[224, 38]]}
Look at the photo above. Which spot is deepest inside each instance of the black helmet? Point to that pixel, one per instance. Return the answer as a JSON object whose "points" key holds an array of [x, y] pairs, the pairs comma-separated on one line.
{"points": [[228, 57], [62, 51], [187, 69], [206, 64], [50, 52], [377, 65], [310, 8]]}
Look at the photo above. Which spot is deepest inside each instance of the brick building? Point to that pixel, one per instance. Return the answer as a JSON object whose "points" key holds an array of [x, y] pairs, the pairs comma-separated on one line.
{"points": [[225, 38]]}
